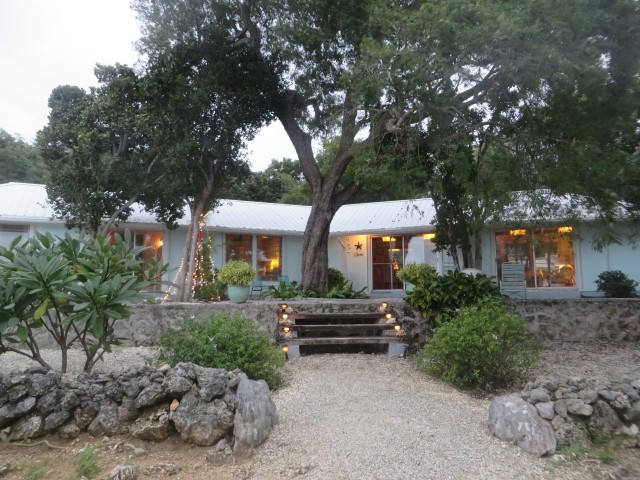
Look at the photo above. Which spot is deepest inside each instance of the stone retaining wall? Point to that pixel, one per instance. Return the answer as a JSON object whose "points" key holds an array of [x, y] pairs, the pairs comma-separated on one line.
{"points": [[582, 320], [206, 406], [576, 320]]}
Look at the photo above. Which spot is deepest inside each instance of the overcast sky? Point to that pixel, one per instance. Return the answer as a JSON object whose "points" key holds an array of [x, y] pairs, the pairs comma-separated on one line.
{"points": [[46, 43]]}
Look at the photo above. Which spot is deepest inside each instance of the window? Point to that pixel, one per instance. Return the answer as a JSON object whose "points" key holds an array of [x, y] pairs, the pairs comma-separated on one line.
{"points": [[240, 247], [388, 259], [153, 241], [547, 254], [263, 252], [9, 232], [269, 257]]}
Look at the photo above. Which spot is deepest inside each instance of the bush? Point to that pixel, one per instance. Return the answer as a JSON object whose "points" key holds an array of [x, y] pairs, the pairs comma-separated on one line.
{"points": [[237, 272], [336, 277], [616, 284], [292, 290], [483, 347], [440, 296], [416, 273], [225, 341]]}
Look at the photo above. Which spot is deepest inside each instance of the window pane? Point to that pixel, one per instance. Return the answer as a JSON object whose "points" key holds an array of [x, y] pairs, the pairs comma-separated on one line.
{"points": [[240, 247], [515, 246], [269, 257], [388, 259], [554, 259]]}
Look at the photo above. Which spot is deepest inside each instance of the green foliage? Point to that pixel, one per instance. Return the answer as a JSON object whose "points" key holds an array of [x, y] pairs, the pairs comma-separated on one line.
{"points": [[483, 347], [417, 273], [237, 272], [615, 283], [211, 292], [224, 341], [344, 289], [440, 296], [86, 463], [336, 277], [292, 290], [75, 288], [21, 162], [208, 288]]}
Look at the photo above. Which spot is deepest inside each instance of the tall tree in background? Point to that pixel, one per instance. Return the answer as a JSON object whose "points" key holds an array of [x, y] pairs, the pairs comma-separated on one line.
{"points": [[96, 149], [20, 161], [387, 69]]}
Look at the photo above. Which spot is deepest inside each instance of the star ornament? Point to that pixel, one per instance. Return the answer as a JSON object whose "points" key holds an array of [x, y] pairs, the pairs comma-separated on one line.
{"points": [[358, 246]]}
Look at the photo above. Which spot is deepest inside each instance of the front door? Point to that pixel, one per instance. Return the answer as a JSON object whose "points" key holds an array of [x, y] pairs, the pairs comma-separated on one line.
{"points": [[388, 254]]}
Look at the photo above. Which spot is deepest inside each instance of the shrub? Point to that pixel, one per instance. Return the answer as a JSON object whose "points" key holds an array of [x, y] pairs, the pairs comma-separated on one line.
{"points": [[237, 272], [416, 273], [292, 290], [86, 463], [345, 290], [483, 347], [225, 341], [440, 296], [336, 277], [75, 288], [615, 283]]}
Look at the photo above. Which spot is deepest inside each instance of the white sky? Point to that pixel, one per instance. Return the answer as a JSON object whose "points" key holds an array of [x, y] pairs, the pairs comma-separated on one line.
{"points": [[46, 43]]}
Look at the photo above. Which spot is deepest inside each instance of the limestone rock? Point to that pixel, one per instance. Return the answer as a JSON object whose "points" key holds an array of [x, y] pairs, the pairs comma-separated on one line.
{"points": [[55, 419], [631, 414], [212, 382], [578, 407], [221, 454], [150, 396], [561, 408], [84, 416], [155, 427], [127, 410], [202, 423], [588, 395], [546, 410], [538, 395], [176, 385], [12, 411], [69, 430], [106, 422], [124, 472], [255, 415], [29, 427], [604, 420], [512, 419]]}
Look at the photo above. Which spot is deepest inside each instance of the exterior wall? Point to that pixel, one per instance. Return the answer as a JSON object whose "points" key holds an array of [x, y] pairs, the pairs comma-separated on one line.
{"points": [[355, 262], [292, 257]]}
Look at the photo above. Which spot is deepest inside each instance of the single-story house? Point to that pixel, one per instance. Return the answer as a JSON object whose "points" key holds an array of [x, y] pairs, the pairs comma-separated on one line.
{"points": [[369, 242]]}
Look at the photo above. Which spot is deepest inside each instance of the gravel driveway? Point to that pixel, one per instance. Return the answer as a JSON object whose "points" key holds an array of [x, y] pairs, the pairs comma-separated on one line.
{"points": [[376, 417]]}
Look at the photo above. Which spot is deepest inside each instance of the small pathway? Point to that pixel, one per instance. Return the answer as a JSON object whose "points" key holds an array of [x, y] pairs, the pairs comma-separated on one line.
{"points": [[375, 417]]}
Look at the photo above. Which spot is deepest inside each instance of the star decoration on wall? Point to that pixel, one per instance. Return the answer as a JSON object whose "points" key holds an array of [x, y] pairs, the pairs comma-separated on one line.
{"points": [[358, 246]]}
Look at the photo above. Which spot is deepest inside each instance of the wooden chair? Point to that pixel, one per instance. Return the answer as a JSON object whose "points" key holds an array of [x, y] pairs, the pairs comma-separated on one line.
{"points": [[256, 287], [512, 283]]}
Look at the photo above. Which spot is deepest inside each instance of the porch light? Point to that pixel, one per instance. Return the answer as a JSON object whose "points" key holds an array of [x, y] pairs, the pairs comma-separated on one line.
{"points": [[565, 229], [429, 236], [517, 232], [388, 239], [286, 329], [285, 349]]}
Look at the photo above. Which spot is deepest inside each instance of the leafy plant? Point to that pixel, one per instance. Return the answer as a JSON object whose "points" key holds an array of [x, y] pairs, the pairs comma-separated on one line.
{"points": [[292, 290], [237, 272], [336, 277], [616, 284], [440, 296], [86, 463], [345, 289], [417, 273], [210, 292], [225, 341], [75, 288], [482, 347]]}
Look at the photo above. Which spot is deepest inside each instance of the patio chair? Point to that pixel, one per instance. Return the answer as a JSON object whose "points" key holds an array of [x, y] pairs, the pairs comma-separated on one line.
{"points": [[256, 287], [512, 283]]}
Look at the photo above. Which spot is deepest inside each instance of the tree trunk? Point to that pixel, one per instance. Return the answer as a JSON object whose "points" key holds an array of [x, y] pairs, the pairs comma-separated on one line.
{"points": [[477, 259], [315, 247]]}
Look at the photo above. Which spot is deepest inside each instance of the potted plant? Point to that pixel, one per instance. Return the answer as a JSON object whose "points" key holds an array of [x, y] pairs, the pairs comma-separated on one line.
{"points": [[237, 274]]}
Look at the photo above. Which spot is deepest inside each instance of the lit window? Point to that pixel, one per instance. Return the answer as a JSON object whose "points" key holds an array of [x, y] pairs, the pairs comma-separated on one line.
{"points": [[269, 262], [547, 254], [240, 247]]}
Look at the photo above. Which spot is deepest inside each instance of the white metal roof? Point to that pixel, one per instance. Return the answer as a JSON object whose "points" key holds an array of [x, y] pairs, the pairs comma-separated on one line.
{"points": [[23, 202]]}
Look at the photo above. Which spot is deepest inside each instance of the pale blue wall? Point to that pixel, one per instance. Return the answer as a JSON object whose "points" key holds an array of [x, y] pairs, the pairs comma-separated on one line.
{"points": [[292, 261]]}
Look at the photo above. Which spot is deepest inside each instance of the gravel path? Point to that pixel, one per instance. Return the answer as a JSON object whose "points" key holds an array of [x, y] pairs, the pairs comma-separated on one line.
{"points": [[376, 417]]}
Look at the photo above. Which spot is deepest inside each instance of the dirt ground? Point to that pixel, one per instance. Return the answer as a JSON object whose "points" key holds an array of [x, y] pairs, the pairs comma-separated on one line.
{"points": [[176, 460]]}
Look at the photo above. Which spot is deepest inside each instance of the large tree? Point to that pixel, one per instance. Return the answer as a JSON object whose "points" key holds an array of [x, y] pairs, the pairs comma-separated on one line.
{"points": [[21, 162], [96, 147], [372, 72]]}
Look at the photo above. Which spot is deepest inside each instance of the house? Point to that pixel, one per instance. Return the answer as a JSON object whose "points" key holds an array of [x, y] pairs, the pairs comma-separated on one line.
{"points": [[368, 242]]}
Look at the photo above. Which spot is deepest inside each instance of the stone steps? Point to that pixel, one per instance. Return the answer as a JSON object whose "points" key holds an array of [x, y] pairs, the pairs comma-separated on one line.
{"points": [[335, 331]]}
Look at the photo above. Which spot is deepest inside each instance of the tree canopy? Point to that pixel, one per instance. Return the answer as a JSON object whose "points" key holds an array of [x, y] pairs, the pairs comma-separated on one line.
{"points": [[21, 161]]}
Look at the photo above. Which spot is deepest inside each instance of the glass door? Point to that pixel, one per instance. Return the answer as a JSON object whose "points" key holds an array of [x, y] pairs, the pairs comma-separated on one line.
{"points": [[388, 253]]}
